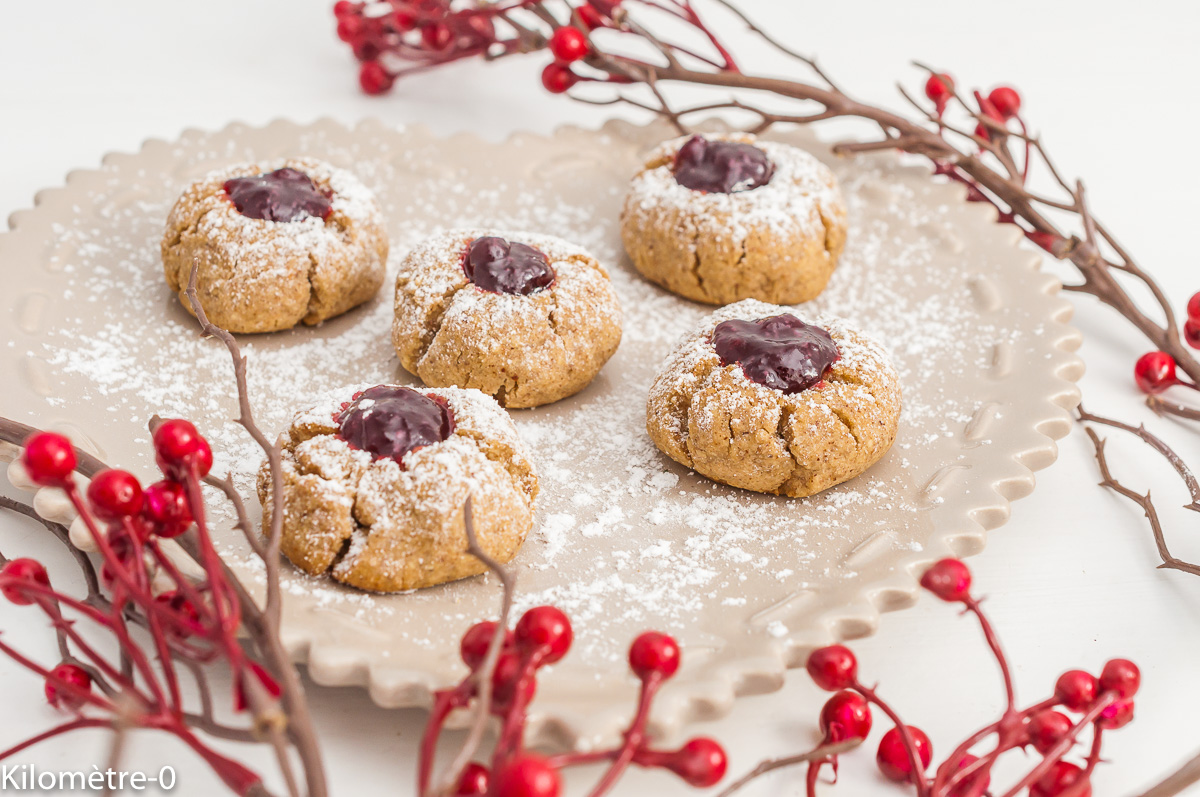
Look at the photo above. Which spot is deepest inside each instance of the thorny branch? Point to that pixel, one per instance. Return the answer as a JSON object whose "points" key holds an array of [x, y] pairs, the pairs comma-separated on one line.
{"points": [[1144, 501]]}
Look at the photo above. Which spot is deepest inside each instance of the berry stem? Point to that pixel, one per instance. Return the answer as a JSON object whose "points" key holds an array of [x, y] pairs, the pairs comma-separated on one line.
{"points": [[635, 736], [1094, 753], [58, 730], [910, 746], [815, 757], [87, 696], [444, 701], [993, 642], [1008, 729], [1055, 753]]}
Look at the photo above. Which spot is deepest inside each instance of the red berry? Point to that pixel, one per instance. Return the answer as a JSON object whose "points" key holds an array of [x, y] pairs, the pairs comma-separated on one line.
{"points": [[1117, 715], [701, 762], [975, 784], [1046, 728], [1006, 101], [544, 628], [437, 36], [1121, 676], [528, 776], [1191, 332], [18, 575], [844, 716], [892, 757], [1076, 690], [509, 684], [654, 654], [365, 50], [185, 613], [473, 782], [115, 494], [1058, 779], [475, 643], [1193, 306], [178, 446], [833, 667], [49, 459], [62, 697], [940, 88], [569, 44], [949, 579], [373, 78], [983, 132], [1154, 372], [404, 21], [557, 78], [590, 17], [165, 508], [343, 7], [350, 28]]}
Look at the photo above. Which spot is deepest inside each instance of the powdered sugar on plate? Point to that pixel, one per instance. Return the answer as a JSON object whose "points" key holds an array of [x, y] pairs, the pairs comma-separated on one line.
{"points": [[624, 538]]}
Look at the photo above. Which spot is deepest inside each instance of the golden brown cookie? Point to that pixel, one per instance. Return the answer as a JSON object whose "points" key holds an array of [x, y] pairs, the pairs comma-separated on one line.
{"points": [[760, 399], [375, 482], [528, 319], [723, 217], [276, 244]]}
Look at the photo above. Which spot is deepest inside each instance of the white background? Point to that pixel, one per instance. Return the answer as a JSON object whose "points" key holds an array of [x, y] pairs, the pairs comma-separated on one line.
{"points": [[1072, 576]]}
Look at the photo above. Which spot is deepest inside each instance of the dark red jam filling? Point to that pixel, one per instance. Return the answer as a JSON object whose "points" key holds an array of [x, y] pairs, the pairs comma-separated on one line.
{"points": [[390, 421], [781, 352], [282, 195], [498, 266], [721, 167]]}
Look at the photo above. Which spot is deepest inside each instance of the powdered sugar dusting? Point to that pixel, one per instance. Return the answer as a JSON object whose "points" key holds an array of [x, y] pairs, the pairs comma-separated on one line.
{"points": [[624, 538], [263, 245], [433, 294], [792, 205]]}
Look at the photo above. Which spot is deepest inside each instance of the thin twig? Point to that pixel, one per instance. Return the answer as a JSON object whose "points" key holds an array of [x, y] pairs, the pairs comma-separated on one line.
{"points": [[772, 764], [483, 676], [1155, 442], [1146, 504]]}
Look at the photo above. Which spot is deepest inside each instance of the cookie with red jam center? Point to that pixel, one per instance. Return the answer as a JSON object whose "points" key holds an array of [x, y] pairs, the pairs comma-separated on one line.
{"points": [[528, 319], [274, 245], [758, 397], [375, 481], [722, 217]]}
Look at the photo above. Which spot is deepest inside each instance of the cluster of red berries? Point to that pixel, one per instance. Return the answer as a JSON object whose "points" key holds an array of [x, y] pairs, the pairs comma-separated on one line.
{"points": [[117, 499], [1155, 371], [1001, 105], [570, 44], [543, 636], [427, 26], [131, 514], [384, 35], [23, 581], [905, 751]]}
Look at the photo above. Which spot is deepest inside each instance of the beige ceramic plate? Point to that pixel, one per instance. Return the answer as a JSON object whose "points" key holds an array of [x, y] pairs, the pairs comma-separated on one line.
{"points": [[625, 539]]}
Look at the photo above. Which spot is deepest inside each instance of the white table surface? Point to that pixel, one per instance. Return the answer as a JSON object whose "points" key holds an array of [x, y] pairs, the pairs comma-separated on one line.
{"points": [[1072, 576]]}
